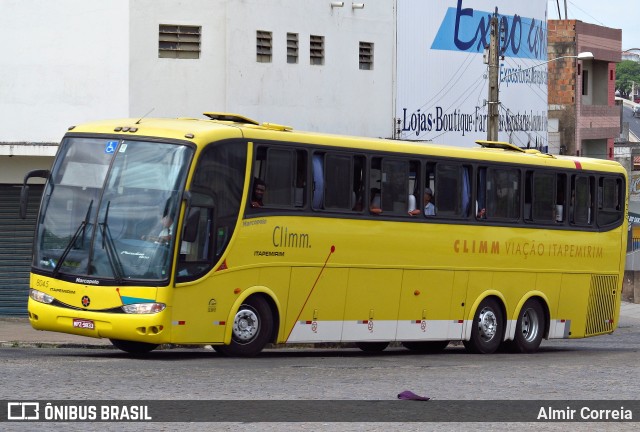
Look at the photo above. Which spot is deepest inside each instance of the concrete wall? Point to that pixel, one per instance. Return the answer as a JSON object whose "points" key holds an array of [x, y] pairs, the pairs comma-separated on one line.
{"points": [[177, 87], [15, 167], [334, 97], [63, 62]]}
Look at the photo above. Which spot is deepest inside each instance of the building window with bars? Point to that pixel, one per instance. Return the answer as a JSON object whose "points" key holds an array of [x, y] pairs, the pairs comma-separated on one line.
{"points": [[316, 48], [366, 55], [179, 41], [292, 48], [263, 46]]}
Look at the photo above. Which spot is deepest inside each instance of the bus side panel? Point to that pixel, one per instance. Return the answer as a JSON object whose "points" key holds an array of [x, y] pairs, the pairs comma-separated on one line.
{"points": [[572, 307], [425, 305], [201, 309], [458, 304], [315, 306], [371, 310]]}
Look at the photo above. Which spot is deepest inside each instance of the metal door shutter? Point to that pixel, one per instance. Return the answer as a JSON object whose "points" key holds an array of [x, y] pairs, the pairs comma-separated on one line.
{"points": [[16, 241]]}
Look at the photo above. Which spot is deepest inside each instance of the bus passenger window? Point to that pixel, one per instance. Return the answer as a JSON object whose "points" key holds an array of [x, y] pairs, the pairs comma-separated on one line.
{"points": [[338, 168], [300, 186], [610, 201], [318, 181], [561, 187], [338, 181], [581, 206], [453, 190], [395, 184], [375, 185], [281, 174], [415, 195], [279, 177], [358, 185], [542, 193], [498, 193]]}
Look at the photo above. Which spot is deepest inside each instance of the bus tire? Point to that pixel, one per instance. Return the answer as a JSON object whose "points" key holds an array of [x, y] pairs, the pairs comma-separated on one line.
{"points": [[426, 347], [137, 348], [251, 329], [529, 327], [372, 347], [488, 328]]}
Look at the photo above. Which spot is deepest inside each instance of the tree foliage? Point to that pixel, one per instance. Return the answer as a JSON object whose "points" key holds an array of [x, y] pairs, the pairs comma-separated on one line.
{"points": [[627, 72]]}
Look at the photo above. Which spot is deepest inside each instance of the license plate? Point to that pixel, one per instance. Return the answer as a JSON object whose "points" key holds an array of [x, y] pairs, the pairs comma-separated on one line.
{"points": [[83, 323]]}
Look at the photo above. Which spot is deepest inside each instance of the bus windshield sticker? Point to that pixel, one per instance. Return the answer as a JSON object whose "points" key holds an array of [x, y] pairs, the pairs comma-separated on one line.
{"points": [[110, 147]]}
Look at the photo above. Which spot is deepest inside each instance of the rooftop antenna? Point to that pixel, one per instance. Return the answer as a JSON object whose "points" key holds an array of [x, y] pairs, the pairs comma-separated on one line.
{"points": [[150, 111]]}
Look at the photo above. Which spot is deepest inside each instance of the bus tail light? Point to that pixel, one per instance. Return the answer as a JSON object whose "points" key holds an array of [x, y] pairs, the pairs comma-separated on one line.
{"points": [[143, 308], [41, 297]]}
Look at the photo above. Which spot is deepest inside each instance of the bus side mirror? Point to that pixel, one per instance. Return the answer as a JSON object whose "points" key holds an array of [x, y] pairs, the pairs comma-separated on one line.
{"points": [[24, 192]]}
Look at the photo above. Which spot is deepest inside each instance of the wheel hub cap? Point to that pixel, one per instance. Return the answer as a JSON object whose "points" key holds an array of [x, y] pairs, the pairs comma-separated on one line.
{"points": [[530, 325], [487, 324], [245, 325]]}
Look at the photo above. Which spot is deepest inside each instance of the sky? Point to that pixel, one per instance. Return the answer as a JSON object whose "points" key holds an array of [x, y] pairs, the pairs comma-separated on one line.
{"points": [[621, 14]]}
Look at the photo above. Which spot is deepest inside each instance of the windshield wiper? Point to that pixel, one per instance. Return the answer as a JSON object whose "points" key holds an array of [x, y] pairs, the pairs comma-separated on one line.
{"points": [[81, 229], [110, 247]]}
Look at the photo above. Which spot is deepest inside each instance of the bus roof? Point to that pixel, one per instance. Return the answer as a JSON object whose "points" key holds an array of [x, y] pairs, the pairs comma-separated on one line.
{"points": [[218, 126]]}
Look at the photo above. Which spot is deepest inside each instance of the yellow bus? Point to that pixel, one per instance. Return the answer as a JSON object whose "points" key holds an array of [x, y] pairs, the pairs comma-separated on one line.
{"points": [[226, 232]]}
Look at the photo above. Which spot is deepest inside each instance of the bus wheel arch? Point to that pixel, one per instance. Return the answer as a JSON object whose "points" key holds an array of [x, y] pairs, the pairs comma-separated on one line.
{"points": [[488, 326], [254, 324], [532, 325]]}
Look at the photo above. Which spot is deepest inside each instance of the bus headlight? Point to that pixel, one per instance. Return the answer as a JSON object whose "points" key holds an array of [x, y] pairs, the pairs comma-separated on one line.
{"points": [[143, 308], [41, 297]]}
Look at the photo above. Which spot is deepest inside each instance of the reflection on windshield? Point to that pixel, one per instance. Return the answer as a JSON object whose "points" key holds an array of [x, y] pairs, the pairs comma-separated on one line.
{"points": [[129, 190]]}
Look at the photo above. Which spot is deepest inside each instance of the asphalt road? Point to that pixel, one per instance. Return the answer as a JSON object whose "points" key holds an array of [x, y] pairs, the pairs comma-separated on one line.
{"points": [[599, 368]]}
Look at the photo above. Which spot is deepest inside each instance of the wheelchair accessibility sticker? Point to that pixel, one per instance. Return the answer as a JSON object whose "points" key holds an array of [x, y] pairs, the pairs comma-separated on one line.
{"points": [[111, 147]]}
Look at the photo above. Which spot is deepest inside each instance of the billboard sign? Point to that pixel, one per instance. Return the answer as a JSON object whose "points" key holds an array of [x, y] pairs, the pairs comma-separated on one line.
{"points": [[442, 77]]}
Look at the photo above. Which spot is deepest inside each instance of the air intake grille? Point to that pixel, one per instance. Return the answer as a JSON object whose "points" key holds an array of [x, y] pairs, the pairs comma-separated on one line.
{"points": [[603, 299]]}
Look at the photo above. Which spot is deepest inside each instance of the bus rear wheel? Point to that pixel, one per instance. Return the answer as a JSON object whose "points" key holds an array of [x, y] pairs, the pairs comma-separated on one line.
{"points": [[372, 347], [252, 328], [529, 327], [488, 328], [137, 348], [426, 347]]}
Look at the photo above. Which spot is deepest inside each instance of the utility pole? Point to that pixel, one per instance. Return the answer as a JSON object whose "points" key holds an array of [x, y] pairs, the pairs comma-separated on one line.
{"points": [[494, 65]]}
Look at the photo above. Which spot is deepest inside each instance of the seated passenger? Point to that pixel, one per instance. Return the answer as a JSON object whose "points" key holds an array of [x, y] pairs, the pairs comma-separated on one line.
{"points": [[259, 188], [429, 207], [164, 236], [375, 205]]}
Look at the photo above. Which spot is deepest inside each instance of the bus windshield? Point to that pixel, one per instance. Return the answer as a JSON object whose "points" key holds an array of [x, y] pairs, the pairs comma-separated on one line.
{"points": [[110, 209]]}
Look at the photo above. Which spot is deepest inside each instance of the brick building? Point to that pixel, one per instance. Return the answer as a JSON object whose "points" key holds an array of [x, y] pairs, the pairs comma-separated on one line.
{"points": [[583, 117]]}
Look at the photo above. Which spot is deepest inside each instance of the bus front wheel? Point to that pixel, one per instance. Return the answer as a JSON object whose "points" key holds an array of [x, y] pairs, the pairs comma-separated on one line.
{"points": [[529, 327], [252, 328], [137, 348], [488, 328]]}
